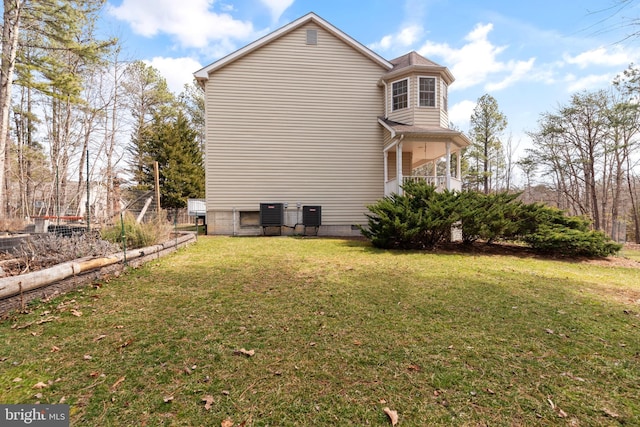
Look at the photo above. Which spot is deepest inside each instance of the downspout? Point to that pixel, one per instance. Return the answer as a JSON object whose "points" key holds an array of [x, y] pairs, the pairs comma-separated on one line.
{"points": [[233, 214], [448, 169], [399, 164], [385, 99]]}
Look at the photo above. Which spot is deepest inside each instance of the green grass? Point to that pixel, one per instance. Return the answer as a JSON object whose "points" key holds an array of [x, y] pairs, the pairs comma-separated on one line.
{"points": [[633, 254], [340, 330]]}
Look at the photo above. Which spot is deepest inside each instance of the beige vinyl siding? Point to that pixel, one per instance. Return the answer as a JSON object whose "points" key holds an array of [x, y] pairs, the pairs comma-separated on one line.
{"points": [[296, 123]]}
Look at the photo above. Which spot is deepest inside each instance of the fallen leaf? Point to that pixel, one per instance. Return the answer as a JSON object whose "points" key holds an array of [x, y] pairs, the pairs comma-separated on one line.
{"points": [[226, 423], [54, 349], [76, 313], [561, 413], [357, 342], [118, 327], [393, 415], [553, 405], [610, 413], [208, 401], [17, 380], [168, 399], [40, 385], [243, 352], [126, 343], [488, 390], [117, 383], [225, 392], [94, 374], [38, 395], [99, 337], [414, 368], [549, 331], [382, 401], [87, 357]]}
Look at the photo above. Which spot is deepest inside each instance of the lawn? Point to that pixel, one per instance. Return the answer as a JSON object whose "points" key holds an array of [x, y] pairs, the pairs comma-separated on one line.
{"points": [[290, 331]]}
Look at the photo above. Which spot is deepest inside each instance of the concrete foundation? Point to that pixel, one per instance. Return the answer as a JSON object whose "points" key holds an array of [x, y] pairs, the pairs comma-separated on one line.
{"points": [[236, 223]]}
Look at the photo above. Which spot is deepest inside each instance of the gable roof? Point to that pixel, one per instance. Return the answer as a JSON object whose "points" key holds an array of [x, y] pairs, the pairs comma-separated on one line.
{"points": [[413, 61], [203, 73]]}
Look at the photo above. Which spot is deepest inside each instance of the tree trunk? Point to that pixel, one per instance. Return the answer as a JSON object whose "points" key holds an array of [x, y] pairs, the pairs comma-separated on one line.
{"points": [[10, 33]]}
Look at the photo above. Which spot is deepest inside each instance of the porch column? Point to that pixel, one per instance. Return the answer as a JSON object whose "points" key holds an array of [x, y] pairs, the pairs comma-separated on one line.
{"points": [[448, 169], [435, 172], [399, 166], [459, 165]]}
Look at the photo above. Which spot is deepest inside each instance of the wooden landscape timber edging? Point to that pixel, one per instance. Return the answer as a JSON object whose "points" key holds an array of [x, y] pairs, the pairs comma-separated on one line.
{"points": [[16, 291]]}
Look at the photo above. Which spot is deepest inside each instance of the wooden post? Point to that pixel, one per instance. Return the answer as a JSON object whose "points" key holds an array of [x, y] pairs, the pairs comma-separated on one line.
{"points": [[156, 171]]}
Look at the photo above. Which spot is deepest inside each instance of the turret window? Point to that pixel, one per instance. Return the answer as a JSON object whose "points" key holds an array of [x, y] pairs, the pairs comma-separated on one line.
{"points": [[400, 94], [427, 92]]}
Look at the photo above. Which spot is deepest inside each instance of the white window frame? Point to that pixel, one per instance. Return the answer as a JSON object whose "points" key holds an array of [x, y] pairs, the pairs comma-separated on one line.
{"points": [[435, 91], [407, 94]]}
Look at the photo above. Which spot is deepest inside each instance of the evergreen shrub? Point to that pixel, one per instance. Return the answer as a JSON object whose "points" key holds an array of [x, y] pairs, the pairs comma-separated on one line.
{"points": [[422, 218]]}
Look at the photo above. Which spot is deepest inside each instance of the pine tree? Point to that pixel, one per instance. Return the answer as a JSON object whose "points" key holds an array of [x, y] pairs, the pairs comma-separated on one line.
{"points": [[485, 153], [173, 143], [149, 96]]}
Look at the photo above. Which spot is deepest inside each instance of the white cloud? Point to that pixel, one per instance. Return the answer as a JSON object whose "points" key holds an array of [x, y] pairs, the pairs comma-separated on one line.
{"points": [[614, 56], [277, 7], [191, 22], [473, 62], [590, 82], [404, 38], [460, 113], [177, 71], [519, 70], [477, 60]]}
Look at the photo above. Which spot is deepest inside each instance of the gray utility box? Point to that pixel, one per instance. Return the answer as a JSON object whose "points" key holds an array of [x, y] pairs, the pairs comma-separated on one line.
{"points": [[312, 216], [271, 214]]}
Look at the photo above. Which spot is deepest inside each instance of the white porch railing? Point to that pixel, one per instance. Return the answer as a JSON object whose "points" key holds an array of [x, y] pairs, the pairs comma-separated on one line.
{"points": [[440, 182], [391, 186]]}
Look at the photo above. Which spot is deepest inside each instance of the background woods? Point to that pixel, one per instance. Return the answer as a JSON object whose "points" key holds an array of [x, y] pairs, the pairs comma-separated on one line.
{"points": [[76, 115]]}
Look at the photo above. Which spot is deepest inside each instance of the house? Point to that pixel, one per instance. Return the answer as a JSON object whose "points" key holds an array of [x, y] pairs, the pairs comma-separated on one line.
{"points": [[307, 119]]}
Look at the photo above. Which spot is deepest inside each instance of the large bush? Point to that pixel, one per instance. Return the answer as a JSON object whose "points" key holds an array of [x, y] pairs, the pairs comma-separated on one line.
{"points": [[488, 217], [422, 218], [550, 230]]}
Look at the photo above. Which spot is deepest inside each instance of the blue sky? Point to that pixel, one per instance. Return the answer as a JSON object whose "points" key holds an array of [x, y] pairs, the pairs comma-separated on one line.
{"points": [[529, 55]]}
